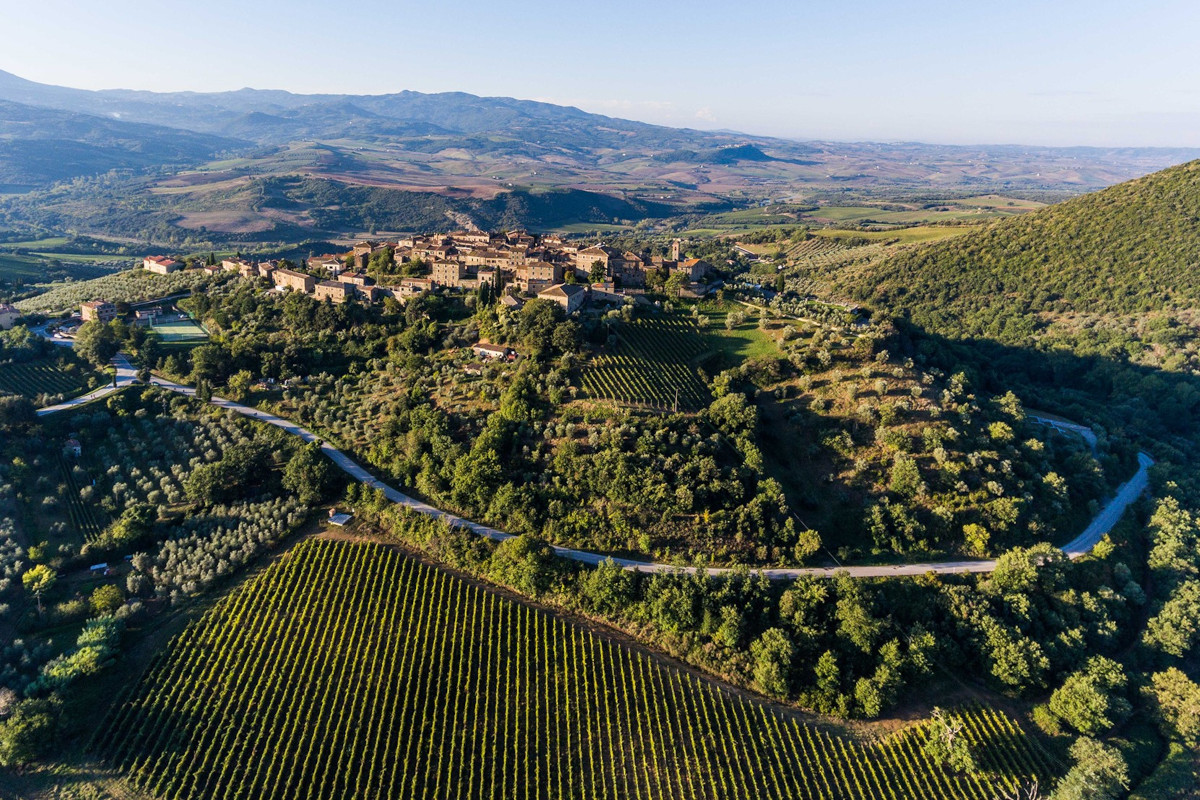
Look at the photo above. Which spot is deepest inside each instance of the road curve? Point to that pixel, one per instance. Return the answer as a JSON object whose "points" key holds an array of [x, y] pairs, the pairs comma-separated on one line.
{"points": [[1080, 545], [125, 376]]}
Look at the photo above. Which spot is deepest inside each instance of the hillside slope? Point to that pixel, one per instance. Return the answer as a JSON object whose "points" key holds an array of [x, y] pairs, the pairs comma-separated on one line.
{"points": [[41, 145], [1132, 249]]}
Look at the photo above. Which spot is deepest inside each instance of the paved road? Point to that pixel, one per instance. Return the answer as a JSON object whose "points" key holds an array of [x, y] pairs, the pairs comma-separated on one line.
{"points": [[126, 375], [1063, 425], [1102, 524]]}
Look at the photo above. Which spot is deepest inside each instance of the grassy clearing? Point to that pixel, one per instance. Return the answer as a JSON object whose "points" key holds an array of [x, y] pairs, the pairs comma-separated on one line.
{"points": [[88, 258], [744, 341]]}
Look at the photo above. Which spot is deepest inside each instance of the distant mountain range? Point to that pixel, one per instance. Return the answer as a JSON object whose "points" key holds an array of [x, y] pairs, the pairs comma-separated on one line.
{"points": [[203, 158]]}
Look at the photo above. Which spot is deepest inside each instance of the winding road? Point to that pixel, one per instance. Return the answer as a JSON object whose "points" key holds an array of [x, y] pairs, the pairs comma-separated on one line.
{"points": [[1080, 545]]}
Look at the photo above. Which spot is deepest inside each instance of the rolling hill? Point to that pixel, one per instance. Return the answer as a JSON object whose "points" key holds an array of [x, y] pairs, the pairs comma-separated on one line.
{"points": [[1128, 251], [40, 146]]}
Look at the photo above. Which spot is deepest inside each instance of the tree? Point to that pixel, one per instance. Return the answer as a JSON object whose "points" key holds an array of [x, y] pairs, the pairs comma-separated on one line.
{"points": [[609, 588], [97, 343], [772, 654], [134, 522], [106, 599], [238, 385], [1100, 773], [1176, 698], [675, 284], [16, 410], [1175, 629], [38, 580], [208, 363], [28, 731], [307, 474], [597, 272], [1090, 700], [905, 477], [946, 745], [525, 563]]}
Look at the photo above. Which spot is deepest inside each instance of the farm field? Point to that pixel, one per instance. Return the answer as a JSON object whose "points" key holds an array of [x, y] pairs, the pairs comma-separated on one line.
{"points": [[15, 267], [652, 359], [349, 670], [913, 235], [41, 377]]}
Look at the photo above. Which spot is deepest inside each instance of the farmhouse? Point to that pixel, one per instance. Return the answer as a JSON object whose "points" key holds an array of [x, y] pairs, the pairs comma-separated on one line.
{"points": [[493, 351], [98, 311], [568, 295], [161, 264], [8, 316], [296, 281]]}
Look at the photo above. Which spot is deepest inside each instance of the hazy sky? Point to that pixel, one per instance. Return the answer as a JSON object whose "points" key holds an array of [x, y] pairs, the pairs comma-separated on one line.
{"points": [[969, 71]]}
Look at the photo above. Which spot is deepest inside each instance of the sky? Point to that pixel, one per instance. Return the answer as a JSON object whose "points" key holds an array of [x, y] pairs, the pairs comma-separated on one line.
{"points": [[1053, 72]]}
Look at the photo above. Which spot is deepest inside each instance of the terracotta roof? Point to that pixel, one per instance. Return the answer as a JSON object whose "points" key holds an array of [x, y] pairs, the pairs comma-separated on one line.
{"points": [[562, 290]]}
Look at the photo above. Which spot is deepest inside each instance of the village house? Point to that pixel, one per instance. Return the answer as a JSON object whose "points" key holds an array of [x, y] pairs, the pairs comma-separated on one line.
{"points": [[334, 291], [693, 269], [331, 264], [570, 296], [296, 281], [8, 316], [448, 273], [98, 311], [161, 264], [240, 265], [535, 276], [212, 269], [357, 279], [409, 287]]}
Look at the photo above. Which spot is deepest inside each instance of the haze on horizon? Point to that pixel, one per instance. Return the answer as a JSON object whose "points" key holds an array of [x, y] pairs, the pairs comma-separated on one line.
{"points": [[1067, 73]]}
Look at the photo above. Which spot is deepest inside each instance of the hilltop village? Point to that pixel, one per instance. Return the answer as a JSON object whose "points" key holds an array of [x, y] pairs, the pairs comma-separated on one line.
{"points": [[514, 265]]}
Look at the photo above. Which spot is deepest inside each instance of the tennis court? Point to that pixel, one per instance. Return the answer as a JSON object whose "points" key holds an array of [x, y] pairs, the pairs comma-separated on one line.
{"points": [[183, 330]]}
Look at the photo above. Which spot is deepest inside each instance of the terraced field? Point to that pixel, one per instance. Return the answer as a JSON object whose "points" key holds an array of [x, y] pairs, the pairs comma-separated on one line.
{"points": [[351, 671], [651, 365]]}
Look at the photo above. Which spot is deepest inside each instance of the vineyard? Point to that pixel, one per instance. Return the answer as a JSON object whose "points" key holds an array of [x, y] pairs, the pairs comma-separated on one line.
{"points": [[650, 363], [349, 670], [87, 519], [40, 378]]}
